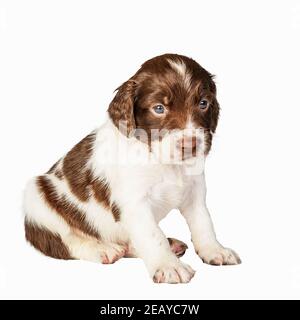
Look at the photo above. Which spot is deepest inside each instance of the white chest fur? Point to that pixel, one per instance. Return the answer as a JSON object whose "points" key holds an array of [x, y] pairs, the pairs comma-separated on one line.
{"points": [[163, 186], [169, 191]]}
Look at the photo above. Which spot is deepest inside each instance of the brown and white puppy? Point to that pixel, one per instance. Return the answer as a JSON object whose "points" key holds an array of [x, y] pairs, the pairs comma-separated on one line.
{"points": [[104, 199]]}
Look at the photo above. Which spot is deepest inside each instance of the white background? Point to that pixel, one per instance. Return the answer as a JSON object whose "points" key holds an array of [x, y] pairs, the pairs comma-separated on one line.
{"points": [[59, 64]]}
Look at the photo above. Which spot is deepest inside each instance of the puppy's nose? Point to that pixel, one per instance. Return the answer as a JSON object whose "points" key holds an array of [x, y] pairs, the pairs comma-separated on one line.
{"points": [[188, 142]]}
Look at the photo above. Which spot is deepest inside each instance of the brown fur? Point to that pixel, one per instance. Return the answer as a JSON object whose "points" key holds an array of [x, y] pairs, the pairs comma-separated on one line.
{"points": [[121, 107], [74, 167], [83, 184], [47, 242], [68, 211], [115, 211], [156, 82], [102, 192], [80, 178]]}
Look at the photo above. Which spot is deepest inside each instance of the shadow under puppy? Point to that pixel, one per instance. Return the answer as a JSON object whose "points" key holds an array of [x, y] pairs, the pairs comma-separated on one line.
{"points": [[104, 199]]}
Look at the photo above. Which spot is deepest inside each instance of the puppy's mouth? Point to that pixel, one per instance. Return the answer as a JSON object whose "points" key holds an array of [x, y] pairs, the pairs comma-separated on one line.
{"points": [[187, 153]]}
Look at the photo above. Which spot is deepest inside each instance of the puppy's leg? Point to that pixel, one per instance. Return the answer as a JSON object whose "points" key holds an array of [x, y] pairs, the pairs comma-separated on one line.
{"points": [[203, 235], [87, 248], [152, 246], [48, 232], [72, 245]]}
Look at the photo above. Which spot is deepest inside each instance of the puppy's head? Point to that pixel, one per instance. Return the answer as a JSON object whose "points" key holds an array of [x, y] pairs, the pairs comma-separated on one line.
{"points": [[170, 96]]}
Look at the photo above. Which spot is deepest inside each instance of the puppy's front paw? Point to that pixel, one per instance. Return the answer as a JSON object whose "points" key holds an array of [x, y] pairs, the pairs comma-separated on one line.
{"points": [[217, 255], [174, 273]]}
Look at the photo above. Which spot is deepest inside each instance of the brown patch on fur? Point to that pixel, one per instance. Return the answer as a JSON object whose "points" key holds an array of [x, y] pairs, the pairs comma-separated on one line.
{"points": [[82, 184], [74, 167], [67, 210], [102, 192], [47, 242], [115, 210]]}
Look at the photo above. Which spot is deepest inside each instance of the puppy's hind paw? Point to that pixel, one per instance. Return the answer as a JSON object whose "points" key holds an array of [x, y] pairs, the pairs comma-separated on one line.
{"points": [[111, 253], [178, 247]]}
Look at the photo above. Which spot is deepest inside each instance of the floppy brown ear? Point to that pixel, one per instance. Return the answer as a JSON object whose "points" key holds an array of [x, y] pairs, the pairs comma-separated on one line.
{"points": [[121, 107]]}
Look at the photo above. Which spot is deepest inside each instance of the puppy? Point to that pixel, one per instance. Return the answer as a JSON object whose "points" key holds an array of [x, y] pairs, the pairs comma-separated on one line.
{"points": [[103, 200]]}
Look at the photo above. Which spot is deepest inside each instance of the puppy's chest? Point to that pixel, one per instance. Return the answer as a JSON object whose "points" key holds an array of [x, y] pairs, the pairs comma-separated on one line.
{"points": [[168, 193]]}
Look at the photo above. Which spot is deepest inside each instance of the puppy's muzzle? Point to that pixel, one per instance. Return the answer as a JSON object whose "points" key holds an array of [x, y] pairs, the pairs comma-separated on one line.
{"points": [[188, 146]]}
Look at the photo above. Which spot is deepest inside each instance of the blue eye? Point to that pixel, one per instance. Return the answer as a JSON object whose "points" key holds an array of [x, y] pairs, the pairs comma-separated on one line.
{"points": [[159, 109], [203, 104]]}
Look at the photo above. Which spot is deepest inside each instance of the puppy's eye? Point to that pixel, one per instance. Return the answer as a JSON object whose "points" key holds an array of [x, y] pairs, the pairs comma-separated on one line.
{"points": [[159, 109], [203, 104]]}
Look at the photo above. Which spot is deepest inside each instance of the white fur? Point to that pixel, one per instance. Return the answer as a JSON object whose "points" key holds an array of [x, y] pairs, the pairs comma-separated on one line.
{"points": [[145, 194]]}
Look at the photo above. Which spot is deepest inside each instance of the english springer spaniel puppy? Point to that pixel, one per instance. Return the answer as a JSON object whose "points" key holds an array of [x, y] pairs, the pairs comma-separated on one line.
{"points": [[103, 200]]}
